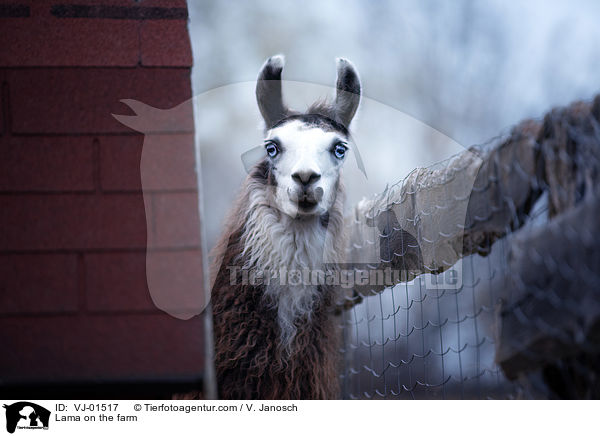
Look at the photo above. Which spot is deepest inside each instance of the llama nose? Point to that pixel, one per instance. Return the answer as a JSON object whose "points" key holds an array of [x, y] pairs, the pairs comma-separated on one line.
{"points": [[306, 178]]}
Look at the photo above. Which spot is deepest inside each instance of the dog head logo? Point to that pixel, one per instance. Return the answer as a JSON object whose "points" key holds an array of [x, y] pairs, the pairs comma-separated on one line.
{"points": [[26, 415], [224, 124]]}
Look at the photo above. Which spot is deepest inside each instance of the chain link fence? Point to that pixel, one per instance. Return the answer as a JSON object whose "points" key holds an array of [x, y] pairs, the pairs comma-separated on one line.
{"points": [[499, 250]]}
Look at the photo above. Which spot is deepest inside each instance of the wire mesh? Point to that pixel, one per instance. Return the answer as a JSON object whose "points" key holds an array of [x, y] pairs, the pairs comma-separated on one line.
{"points": [[412, 342], [524, 321]]}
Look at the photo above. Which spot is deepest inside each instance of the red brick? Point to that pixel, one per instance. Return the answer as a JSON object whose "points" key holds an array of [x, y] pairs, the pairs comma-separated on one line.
{"points": [[120, 163], [38, 283], [2, 103], [69, 42], [72, 100], [117, 282], [100, 347], [46, 164], [174, 220], [51, 222], [155, 121], [46, 40], [165, 43], [132, 3], [167, 162], [42, 7], [175, 282]]}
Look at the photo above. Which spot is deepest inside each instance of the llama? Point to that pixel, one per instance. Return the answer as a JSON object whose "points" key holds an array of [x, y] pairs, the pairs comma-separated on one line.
{"points": [[275, 339]]}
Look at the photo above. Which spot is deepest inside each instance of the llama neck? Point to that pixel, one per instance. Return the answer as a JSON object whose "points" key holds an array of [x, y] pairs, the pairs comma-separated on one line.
{"points": [[292, 249]]}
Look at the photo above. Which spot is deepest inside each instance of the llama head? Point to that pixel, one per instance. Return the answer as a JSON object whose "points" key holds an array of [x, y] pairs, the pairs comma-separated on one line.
{"points": [[304, 152]]}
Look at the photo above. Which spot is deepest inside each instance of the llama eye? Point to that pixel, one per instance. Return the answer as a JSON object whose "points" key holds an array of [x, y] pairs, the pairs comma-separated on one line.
{"points": [[339, 150], [272, 149]]}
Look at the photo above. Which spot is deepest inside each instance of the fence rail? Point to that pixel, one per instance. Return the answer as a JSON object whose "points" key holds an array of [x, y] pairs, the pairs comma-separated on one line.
{"points": [[516, 222]]}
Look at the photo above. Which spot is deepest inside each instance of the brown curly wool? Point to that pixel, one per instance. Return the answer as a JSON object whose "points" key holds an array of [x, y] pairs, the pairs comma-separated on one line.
{"points": [[279, 341], [249, 362]]}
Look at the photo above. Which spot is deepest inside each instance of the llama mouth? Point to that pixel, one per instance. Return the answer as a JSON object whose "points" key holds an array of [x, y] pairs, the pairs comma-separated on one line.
{"points": [[306, 205]]}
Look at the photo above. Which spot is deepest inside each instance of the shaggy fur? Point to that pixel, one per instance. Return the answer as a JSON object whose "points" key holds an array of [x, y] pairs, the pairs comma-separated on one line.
{"points": [[279, 340], [275, 342]]}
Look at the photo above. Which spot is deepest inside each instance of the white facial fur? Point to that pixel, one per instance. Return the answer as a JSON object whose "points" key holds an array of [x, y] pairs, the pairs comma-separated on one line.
{"points": [[305, 150]]}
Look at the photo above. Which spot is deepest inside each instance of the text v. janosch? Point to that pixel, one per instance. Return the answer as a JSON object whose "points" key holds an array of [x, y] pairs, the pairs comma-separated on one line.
{"points": [[87, 407]]}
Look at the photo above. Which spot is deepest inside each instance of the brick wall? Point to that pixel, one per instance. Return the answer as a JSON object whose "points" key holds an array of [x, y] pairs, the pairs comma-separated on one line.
{"points": [[75, 309]]}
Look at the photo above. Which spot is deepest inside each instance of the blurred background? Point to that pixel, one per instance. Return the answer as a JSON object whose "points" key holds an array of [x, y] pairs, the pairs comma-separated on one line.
{"points": [[437, 78], [468, 69]]}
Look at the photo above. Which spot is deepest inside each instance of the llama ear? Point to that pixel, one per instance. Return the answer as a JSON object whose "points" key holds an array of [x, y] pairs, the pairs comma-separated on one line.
{"points": [[268, 91], [348, 91]]}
